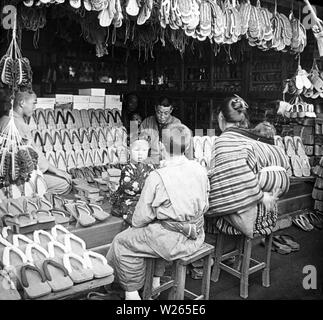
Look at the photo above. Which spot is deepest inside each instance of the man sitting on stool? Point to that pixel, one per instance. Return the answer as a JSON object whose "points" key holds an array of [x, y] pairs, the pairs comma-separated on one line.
{"points": [[169, 216]]}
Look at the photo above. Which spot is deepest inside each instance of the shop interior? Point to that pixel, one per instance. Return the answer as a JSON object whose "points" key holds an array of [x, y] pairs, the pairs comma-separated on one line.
{"points": [[82, 74]]}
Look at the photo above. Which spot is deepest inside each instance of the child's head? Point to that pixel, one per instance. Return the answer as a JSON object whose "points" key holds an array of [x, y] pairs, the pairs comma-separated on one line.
{"points": [[139, 150], [265, 129]]}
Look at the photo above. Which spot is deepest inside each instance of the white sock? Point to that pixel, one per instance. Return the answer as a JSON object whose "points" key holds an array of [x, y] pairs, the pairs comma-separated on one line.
{"points": [[132, 295], [156, 282]]}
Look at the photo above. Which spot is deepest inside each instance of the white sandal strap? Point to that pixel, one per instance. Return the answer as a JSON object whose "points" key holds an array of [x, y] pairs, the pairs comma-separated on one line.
{"points": [[87, 257], [68, 243], [37, 247], [38, 233], [51, 248], [56, 228], [67, 261], [5, 242], [20, 237], [6, 255], [4, 232]]}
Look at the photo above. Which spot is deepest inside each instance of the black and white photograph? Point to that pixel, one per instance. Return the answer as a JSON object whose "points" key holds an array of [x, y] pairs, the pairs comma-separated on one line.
{"points": [[161, 150]]}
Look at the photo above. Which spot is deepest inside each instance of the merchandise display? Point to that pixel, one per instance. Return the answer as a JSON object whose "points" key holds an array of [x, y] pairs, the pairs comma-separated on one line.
{"points": [[309, 84], [42, 262], [224, 22], [295, 150], [244, 76], [80, 138]]}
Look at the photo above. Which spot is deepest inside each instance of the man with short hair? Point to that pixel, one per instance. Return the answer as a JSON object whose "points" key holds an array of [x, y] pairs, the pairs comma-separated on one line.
{"points": [[169, 216], [58, 181], [151, 128]]}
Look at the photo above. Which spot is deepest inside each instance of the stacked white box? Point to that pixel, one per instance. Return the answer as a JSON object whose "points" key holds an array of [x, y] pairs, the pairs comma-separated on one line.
{"points": [[45, 103], [112, 102], [92, 92], [64, 98], [81, 102]]}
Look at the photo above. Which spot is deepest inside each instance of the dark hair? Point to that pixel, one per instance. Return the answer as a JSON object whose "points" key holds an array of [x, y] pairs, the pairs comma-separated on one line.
{"points": [[165, 102], [234, 110]]}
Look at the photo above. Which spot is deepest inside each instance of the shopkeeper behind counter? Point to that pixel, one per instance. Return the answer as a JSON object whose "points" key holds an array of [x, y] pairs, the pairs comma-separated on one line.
{"points": [[58, 181], [152, 127]]}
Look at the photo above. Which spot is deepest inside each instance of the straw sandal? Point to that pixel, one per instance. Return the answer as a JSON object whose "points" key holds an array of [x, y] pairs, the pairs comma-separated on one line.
{"points": [[289, 145], [289, 241], [98, 264], [56, 276], [77, 268], [297, 166], [316, 220], [33, 281], [302, 222]]}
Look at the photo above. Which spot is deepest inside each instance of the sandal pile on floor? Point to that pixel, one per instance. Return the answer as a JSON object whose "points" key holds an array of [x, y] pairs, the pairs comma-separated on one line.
{"points": [[284, 244], [309, 220], [45, 262], [295, 150]]}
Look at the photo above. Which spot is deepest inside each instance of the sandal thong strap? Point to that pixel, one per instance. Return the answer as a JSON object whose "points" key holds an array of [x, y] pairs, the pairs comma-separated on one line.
{"points": [[54, 264], [23, 271]]}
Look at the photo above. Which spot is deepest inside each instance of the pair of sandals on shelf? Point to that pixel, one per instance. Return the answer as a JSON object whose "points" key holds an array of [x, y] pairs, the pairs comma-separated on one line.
{"points": [[86, 214], [295, 150], [46, 262], [309, 220], [87, 173], [29, 214]]}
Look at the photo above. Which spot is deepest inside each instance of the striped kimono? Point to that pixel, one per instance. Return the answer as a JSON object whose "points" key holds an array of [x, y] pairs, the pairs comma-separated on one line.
{"points": [[237, 181]]}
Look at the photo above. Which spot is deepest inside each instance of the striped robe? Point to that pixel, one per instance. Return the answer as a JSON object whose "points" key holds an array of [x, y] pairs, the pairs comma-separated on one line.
{"points": [[236, 182]]}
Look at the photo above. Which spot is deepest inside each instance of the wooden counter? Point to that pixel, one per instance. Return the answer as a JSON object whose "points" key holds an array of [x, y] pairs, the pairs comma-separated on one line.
{"points": [[299, 196], [99, 236]]}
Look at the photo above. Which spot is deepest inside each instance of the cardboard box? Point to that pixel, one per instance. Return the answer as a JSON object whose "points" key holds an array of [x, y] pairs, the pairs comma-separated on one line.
{"points": [[44, 106], [81, 99], [64, 98], [46, 101], [92, 92], [112, 102], [80, 106], [97, 99]]}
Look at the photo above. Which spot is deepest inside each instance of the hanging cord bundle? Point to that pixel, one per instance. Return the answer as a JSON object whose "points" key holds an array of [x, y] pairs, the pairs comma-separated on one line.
{"points": [[15, 70], [17, 161]]}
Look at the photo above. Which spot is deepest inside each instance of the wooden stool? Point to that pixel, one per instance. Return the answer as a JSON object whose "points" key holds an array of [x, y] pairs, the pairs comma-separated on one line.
{"points": [[243, 252], [178, 278], [148, 291]]}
